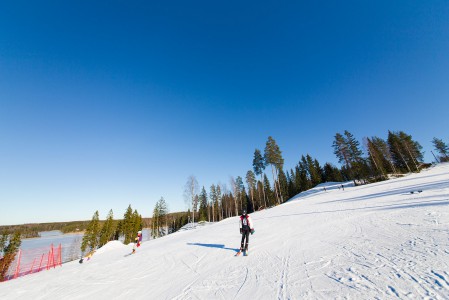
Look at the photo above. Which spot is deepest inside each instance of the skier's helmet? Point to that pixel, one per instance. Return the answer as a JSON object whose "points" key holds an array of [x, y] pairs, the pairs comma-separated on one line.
{"points": [[244, 212]]}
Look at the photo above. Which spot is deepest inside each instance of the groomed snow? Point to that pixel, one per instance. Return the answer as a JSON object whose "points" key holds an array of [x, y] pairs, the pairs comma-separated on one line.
{"points": [[373, 241]]}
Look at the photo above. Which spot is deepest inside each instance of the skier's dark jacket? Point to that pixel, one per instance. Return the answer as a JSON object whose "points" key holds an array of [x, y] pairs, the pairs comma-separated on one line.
{"points": [[246, 223]]}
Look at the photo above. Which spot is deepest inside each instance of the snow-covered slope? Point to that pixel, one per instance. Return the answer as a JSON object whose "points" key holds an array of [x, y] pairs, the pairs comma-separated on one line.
{"points": [[373, 241]]}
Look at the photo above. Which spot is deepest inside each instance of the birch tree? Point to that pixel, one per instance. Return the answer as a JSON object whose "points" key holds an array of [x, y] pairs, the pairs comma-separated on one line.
{"points": [[191, 195]]}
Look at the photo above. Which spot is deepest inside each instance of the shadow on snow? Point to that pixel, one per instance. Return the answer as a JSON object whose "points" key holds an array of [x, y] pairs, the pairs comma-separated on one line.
{"points": [[218, 246]]}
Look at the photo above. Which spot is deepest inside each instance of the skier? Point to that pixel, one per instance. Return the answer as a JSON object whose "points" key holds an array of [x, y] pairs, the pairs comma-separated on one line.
{"points": [[246, 227]]}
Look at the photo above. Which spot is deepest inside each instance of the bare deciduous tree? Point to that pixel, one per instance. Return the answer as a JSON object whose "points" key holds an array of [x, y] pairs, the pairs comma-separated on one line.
{"points": [[191, 195]]}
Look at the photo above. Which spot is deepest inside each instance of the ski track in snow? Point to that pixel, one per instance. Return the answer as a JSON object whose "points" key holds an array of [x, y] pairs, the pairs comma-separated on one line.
{"points": [[376, 241]]}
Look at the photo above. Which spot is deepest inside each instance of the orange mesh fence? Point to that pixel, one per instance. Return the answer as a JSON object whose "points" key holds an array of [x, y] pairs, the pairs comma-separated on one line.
{"points": [[29, 261]]}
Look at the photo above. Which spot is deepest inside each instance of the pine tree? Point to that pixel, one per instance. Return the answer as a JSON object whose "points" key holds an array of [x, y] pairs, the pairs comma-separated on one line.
{"points": [[442, 148], [405, 152], [412, 149], [385, 156], [91, 236], [259, 167], [273, 157], [108, 230], [347, 149], [341, 150]]}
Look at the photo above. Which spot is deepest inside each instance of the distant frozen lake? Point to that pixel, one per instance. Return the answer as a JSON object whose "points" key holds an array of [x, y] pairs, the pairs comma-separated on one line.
{"points": [[70, 243]]}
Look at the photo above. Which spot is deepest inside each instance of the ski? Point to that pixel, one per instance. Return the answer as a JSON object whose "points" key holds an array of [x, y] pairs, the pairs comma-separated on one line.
{"points": [[238, 253]]}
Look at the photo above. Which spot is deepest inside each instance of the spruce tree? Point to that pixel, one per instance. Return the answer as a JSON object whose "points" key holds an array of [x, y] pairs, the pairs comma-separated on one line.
{"points": [[214, 200], [314, 170], [159, 219], [219, 203], [358, 165], [291, 184], [241, 193], [267, 188], [91, 236], [9, 246], [273, 157], [108, 230], [331, 173], [298, 180], [251, 182], [259, 166], [128, 226], [304, 174], [283, 183], [137, 222], [203, 205]]}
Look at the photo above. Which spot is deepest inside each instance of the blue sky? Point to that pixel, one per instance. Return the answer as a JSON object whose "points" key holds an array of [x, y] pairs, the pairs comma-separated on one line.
{"points": [[107, 103]]}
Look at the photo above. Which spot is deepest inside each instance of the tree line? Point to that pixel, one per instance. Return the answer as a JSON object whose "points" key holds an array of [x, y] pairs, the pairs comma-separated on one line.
{"points": [[375, 159], [98, 233]]}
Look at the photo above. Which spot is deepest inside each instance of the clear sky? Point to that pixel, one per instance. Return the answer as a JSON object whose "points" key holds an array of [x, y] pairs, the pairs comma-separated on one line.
{"points": [[109, 103]]}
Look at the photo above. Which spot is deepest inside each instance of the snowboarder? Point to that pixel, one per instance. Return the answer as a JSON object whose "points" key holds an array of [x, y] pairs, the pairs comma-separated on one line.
{"points": [[137, 241], [89, 255], [246, 227]]}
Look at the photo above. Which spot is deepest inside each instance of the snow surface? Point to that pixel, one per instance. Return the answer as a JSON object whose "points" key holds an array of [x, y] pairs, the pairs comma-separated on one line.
{"points": [[373, 241]]}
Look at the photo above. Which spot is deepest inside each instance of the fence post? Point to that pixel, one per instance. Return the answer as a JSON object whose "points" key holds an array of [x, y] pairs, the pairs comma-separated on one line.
{"points": [[60, 255], [48, 259], [31, 270], [18, 265], [52, 258], [40, 264]]}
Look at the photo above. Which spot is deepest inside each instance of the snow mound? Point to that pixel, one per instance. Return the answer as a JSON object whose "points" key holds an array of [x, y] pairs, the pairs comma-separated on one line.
{"points": [[110, 246]]}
